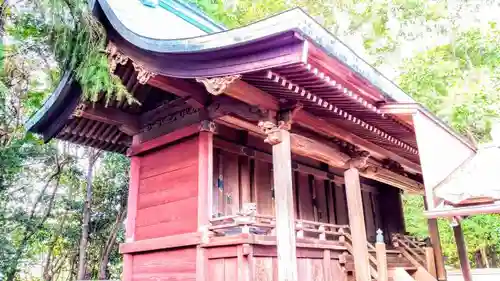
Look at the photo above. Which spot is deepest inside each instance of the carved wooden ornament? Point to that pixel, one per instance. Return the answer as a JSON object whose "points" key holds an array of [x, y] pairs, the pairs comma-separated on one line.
{"points": [[218, 85], [115, 57], [80, 108], [273, 131], [143, 74]]}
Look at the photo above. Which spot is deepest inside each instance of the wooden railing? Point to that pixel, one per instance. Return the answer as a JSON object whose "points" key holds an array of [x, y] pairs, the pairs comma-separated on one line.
{"points": [[411, 248]]}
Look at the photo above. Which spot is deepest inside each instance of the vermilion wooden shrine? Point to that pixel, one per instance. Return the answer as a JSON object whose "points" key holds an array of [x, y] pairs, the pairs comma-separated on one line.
{"points": [[280, 114]]}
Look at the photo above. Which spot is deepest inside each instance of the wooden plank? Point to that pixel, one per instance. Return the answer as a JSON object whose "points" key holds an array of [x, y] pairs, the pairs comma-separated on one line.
{"points": [[369, 218], [330, 196], [196, 95], [174, 211], [321, 200], [264, 200], [202, 270], [357, 224], [230, 268], [174, 241], [306, 211], [164, 139], [222, 252], [263, 269], [337, 272], [166, 229], [205, 177], [245, 180], [216, 207], [231, 183], [216, 270], [127, 273], [285, 226], [341, 205], [170, 158], [327, 266], [181, 261], [135, 170], [317, 271], [165, 186]]}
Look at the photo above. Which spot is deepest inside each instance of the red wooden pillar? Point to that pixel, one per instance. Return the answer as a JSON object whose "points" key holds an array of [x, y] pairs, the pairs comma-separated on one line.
{"points": [[283, 190], [205, 184], [131, 214]]}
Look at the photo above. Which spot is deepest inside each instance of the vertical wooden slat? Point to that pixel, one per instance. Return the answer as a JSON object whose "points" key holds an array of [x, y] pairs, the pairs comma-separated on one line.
{"points": [[285, 227], [330, 201], [306, 210], [133, 195], [245, 189], [357, 224], [327, 265], [321, 200], [262, 188], [205, 177], [216, 208], [231, 183], [341, 205], [369, 219], [201, 264]]}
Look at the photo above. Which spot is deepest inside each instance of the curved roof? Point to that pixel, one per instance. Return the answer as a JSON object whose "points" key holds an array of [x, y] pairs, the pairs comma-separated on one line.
{"points": [[294, 21], [289, 56]]}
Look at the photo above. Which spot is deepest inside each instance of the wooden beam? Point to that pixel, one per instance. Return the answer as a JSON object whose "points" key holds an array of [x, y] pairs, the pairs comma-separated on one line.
{"points": [[161, 243], [323, 127], [462, 251], [285, 226], [125, 122], [357, 224], [393, 179], [164, 140], [317, 150], [197, 96], [247, 93]]}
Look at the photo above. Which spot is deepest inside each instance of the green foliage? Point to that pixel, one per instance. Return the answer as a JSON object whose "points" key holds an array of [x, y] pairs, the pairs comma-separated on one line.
{"points": [[67, 32]]}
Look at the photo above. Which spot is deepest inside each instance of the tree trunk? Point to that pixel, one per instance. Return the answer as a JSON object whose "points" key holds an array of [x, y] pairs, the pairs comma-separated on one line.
{"points": [[82, 258], [103, 266]]}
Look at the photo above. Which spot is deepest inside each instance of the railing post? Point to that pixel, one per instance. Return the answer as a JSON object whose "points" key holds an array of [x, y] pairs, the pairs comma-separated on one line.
{"points": [[300, 230], [381, 257], [322, 234], [430, 262]]}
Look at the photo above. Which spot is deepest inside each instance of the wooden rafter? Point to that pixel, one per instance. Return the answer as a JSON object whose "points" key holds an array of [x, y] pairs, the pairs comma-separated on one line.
{"points": [[126, 123]]}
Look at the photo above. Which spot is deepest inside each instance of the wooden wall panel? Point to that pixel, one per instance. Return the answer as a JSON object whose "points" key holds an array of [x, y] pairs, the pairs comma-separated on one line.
{"points": [[341, 205], [306, 210], [168, 191], [321, 200], [330, 194], [165, 265], [263, 188], [369, 216], [231, 183]]}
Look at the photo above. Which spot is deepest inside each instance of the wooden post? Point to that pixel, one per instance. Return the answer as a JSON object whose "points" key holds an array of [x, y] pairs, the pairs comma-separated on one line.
{"points": [[381, 257], [436, 246], [357, 224], [430, 263], [205, 172], [462, 250], [282, 176], [205, 184]]}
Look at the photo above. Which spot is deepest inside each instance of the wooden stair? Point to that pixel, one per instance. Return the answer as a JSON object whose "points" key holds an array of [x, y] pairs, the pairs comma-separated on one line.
{"points": [[400, 268]]}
